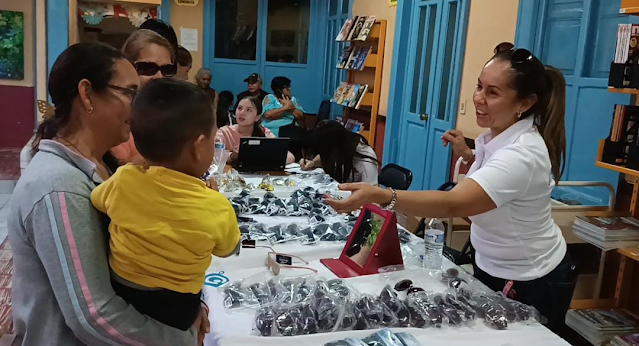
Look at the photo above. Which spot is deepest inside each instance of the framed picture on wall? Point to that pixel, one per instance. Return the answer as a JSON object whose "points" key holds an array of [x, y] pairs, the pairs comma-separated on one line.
{"points": [[11, 45], [392, 3]]}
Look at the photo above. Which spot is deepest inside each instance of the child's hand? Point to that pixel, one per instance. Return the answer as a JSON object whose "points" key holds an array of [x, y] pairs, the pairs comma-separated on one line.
{"points": [[203, 325], [212, 184]]}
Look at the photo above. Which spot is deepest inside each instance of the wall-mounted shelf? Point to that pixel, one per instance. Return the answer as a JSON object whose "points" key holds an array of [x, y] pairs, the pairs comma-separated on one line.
{"points": [[610, 166], [624, 91]]}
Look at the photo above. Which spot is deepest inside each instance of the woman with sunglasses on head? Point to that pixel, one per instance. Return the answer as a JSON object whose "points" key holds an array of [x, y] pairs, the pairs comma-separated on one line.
{"points": [[281, 108], [152, 56], [62, 293], [517, 162]]}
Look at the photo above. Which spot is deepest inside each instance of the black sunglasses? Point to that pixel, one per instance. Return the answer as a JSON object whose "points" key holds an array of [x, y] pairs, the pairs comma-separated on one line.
{"points": [[128, 92], [151, 68], [518, 56]]}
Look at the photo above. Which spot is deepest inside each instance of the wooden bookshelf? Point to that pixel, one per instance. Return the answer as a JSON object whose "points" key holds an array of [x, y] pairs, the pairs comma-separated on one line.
{"points": [[629, 7], [617, 168], [371, 75]]}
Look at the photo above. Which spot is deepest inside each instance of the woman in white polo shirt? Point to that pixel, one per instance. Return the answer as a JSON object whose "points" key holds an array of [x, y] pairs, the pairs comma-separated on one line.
{"points": [[519, 248]]}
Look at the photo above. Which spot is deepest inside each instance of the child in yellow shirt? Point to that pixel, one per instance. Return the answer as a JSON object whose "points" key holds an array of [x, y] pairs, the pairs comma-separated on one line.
{"points": [[165, 222]]}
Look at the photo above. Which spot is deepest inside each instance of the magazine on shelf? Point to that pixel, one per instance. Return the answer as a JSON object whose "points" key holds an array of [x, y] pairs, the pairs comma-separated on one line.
{"points": [[356, 95], [346, 29], [338, 92], [346, 54], [627, 47], [600, 326], [357, 28], [366, 28], [363, 54], [344, 95], [350, 65], [353, 93], [361, 96], [626, 340], [609, 224]]}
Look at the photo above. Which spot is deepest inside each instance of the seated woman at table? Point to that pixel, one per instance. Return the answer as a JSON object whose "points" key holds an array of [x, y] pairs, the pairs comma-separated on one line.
{"points": [[344, 155], [248, 115], [281, 108], [162, 238]]}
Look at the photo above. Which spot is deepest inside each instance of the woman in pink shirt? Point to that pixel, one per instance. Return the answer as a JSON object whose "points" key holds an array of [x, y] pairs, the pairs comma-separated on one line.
{"points": [[248, 114]]}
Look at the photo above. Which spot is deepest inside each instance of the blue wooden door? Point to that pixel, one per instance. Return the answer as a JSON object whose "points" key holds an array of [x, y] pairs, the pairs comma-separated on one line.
{"points": [[578, 37], [229, 73], [431, 89]]}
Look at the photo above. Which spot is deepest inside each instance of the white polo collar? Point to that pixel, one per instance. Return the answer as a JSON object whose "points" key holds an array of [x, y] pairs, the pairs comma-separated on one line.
{"points": [[509, 136]]}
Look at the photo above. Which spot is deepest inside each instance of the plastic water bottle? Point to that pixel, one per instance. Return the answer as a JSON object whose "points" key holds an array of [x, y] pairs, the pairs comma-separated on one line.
{"points": [[219, 151], [434, 245]]}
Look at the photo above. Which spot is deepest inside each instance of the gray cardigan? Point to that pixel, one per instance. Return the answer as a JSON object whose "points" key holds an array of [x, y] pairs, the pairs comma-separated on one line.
{"points": [[62, 293]]}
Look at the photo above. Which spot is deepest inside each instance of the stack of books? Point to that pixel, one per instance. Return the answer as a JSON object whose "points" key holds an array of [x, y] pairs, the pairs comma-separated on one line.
{"points": [[350, 95], [600, 326], [626, 340], [356, 29], [607, 233], [354, 57], [627, 50]]}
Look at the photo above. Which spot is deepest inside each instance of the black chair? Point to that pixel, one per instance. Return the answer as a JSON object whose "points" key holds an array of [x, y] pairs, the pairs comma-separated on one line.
{"points": [[396, 177], [323, 113]]}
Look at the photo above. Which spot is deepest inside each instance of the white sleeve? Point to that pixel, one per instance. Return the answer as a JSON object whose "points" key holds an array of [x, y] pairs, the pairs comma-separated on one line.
{"points": [[506, 175]]}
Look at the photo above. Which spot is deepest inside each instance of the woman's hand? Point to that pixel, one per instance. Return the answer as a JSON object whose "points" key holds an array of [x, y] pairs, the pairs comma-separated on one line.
{"points": [[458, 142], [287, 104], [361, 194], [234, 156]]}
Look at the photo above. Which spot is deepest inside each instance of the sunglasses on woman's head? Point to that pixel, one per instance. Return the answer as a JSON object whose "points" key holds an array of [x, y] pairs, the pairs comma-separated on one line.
{"points": [[151, 68], [518, 56]]}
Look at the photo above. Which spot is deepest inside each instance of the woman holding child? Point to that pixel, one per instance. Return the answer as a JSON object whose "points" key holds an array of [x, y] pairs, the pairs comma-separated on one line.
{"points": [[65, 296]]}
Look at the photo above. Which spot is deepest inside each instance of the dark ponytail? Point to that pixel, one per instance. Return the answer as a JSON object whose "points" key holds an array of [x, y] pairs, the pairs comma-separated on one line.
{"points": [[548, 84], [258, 131], [94, 62]]}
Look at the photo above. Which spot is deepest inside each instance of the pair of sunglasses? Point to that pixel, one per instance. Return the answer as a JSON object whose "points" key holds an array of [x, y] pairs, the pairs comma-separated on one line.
{"points": [[519, 55], [151, 68], [276, 261], [407, 285]]}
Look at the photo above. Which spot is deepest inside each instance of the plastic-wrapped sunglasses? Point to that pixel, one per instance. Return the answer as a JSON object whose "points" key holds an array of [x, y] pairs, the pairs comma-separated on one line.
{"points": [[151, 68], [407, 285]]}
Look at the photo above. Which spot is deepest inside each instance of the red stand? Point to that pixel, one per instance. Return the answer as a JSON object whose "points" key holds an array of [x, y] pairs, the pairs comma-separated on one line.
{"points": [[384, 252]]}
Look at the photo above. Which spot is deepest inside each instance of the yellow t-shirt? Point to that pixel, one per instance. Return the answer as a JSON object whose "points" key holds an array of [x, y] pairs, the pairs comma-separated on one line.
{"points": [[164, 227]]}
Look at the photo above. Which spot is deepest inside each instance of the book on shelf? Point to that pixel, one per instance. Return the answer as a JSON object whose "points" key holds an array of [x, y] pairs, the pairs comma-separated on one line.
{"points": [[360, 97], [627, 48], [357, 28], [600, 326], [626, 340], [366, 28], [343, 59], [607, 233], [351, 124], [346, 29]]}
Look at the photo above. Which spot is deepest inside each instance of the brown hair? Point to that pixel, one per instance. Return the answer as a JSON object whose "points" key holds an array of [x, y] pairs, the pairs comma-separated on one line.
{"points": [[531, 77], [140, 39]]}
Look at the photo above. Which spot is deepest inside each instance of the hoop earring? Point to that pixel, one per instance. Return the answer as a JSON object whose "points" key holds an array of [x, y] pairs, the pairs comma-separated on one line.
{"points": [[90, 110]]}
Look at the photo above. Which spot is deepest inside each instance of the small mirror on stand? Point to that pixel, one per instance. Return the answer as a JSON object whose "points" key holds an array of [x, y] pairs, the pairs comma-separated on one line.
{"points": [[373, 243]]}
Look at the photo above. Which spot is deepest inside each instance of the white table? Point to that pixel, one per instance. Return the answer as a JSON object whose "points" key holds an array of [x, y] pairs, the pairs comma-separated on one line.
{"points": [[235, 328]]}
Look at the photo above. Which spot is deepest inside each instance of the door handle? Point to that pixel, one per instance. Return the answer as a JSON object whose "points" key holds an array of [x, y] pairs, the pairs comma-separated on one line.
{"points": [[423, 117]]}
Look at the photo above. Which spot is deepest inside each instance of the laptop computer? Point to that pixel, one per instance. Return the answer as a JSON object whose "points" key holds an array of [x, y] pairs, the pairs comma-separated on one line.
{"points": [[260, 154]]}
